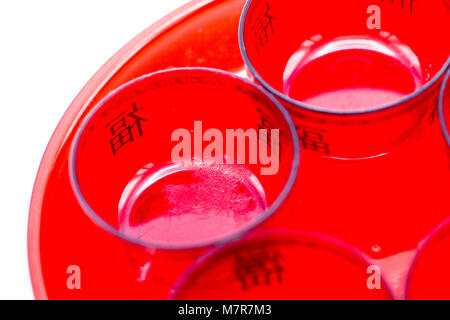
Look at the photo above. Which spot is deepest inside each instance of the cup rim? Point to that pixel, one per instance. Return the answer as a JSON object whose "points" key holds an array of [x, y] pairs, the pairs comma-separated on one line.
{"points": [[302, 105], [271, 210], [444, 127], [349, 252]]}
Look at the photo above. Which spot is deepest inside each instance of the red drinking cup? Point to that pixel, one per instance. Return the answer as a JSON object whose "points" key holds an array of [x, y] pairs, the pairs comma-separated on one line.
{"points": [[428, 277], [179, 161], [359, 77]]}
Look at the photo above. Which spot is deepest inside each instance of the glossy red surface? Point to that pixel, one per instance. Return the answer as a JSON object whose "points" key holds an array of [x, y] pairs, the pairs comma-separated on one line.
{"points": [[155, 155], [382, 207]]}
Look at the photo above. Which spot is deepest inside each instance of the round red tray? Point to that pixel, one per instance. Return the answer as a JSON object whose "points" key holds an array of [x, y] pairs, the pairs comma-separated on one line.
{"points": [[205, 33], [201, 33]]}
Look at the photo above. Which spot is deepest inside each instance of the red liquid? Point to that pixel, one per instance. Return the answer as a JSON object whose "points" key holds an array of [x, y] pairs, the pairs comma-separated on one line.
{"points": [[190, 203], [352, 73]]}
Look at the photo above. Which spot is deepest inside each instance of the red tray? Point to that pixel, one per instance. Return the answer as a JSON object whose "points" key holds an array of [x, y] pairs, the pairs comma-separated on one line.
{"points": [[201, 33]]}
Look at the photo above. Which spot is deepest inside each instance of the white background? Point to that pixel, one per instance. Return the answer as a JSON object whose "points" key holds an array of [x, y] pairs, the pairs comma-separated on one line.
{"points": [[48, 50]]}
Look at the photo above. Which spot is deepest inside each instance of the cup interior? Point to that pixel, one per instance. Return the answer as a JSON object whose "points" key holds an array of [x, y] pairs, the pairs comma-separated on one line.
{"points": [[316, 53], [151, 152]]}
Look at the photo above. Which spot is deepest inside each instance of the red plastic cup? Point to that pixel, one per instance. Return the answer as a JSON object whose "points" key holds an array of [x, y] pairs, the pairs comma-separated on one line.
{"points": [[444, 108], [280, 264], [147, 168], [359, 77]]}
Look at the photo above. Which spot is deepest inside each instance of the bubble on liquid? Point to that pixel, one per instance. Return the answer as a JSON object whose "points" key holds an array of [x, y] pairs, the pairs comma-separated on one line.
{"points": [[376, 249]]}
